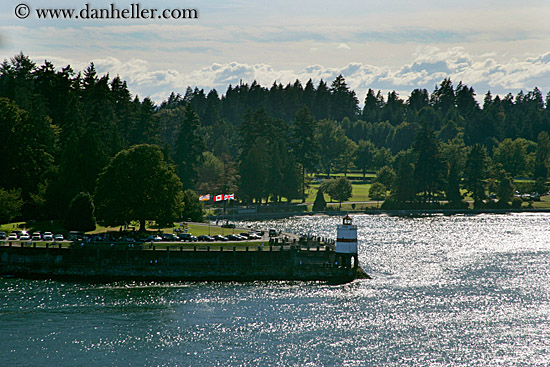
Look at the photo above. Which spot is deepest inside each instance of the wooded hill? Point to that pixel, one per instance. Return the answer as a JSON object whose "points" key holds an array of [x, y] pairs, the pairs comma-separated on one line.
{"points": [[60, 128]]}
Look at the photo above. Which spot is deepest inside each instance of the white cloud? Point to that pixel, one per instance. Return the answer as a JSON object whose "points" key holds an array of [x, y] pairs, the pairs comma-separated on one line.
{"points": [[427, 69]]}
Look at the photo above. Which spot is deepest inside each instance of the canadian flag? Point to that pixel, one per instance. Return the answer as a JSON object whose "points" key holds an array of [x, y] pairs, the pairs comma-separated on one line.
{"points": [[218, 198]]}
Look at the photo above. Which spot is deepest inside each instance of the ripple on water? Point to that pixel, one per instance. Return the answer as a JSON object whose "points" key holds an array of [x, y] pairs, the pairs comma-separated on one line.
{"points": [[447, 290]]}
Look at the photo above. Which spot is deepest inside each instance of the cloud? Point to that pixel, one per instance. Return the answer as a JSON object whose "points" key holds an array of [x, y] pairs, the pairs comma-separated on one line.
{"points": [[427, 68]]}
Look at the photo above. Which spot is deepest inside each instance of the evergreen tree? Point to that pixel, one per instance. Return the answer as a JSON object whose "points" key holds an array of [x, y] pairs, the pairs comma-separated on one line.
{"points": [[304, 144], [542, 156], [475, 173], [189, 148], [404, 187], [81, 213], [429, 167], [319, 204], [344, 103], [254, 172]]}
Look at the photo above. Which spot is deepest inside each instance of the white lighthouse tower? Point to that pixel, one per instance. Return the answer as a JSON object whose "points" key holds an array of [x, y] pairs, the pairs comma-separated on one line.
{"points": [[346, 242]]}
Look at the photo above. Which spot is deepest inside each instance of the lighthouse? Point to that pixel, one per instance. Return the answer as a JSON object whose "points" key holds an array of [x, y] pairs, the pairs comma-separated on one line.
{"points": [[346, 243]]}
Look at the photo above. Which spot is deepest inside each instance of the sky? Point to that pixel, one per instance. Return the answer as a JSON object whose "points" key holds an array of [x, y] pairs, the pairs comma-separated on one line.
{"points": [[502, 46]]}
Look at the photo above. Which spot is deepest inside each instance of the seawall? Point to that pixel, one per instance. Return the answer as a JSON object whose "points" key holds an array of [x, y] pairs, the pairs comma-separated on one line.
{"points": [[107, 262]]}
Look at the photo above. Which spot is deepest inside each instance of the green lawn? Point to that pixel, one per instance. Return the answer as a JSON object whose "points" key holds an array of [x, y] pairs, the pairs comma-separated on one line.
{"points": [[360, 192]]}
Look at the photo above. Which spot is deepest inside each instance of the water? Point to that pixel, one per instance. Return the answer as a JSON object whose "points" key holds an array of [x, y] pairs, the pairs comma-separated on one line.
{"points": [[447, 291]]}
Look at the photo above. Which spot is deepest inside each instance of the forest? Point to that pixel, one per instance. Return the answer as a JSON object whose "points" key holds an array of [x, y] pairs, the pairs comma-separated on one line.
{"points": [[69, 136]]}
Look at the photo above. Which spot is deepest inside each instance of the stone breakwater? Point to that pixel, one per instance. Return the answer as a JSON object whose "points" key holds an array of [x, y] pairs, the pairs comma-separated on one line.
{"points": [[109, 262]]}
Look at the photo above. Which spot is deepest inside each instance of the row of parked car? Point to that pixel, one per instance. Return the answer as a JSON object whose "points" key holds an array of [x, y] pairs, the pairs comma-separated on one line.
{"points": [[36, 236], [164, 237], [188, 237]]}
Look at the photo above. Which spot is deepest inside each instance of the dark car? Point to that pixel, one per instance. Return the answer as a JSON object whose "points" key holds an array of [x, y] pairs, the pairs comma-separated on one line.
{"points": [[187, 237], [228, 225], [205, 238], [235, 237], [219, 237], [3, 236], [170, 237]]}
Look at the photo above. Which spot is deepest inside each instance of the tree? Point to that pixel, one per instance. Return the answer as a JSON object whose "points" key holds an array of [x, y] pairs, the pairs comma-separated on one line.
{"points": [[542, 156], [475, 173], [347, 156], [344, 103], [138, 184], [364, 158], [304, 144], [10, 204], [189, 149], [332, 143], [505, 190], [403, 189], [377, 192], [25, 150], [192, 207], [513, 155], [210, 174], [385, 176], [429, 169], [254, 171], [338, 189], [319, 204], [454, 154], [81, 213]]}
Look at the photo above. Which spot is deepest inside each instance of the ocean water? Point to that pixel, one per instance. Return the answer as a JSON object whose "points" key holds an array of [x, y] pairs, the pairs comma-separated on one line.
{"points": [[446, 291]]}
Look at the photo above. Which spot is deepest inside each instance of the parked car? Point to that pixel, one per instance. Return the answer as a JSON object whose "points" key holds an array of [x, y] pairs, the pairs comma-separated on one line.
{"points": [[219, 237], [3, 236], [188, 237], [58, 237], [254, 236], [24, 236], [244, 234], [153, 238], [235, 237], [76, 236], [228, 225], [48, 236], [36, 236], [13, 237], [170, 237], [273, 233], [205, 238]]}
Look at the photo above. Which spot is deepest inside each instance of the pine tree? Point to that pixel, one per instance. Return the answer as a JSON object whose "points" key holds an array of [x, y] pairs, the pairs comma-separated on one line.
{"points": [[189, 148]]}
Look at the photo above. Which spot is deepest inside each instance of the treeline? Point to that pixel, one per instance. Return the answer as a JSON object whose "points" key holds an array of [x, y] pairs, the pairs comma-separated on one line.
{"points": [[60, 129]]}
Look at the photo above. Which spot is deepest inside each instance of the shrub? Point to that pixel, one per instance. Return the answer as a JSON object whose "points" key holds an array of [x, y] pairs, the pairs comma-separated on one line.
{"points": [[516, 203]]}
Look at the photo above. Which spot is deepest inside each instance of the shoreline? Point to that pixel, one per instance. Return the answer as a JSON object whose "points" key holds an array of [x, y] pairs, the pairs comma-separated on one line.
{"points": [[392, 212]]}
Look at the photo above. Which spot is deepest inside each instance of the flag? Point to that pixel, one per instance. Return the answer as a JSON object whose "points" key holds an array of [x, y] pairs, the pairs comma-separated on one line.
{"points": [[218, 198], [204, 197], [229, 197]]}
